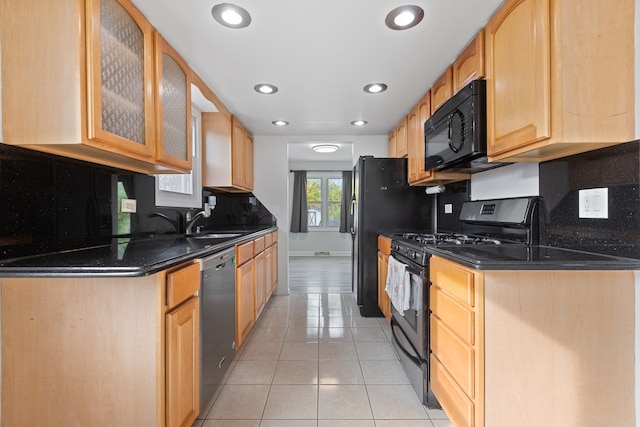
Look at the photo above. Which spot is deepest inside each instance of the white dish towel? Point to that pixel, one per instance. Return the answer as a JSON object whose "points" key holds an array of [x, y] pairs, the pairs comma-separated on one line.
{"points": [[398, 285]]}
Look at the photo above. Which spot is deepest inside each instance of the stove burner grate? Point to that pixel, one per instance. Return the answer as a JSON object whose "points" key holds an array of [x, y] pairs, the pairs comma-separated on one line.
{"points": [[449, 238]]}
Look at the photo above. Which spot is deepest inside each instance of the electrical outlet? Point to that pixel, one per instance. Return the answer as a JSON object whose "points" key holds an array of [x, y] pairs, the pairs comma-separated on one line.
{"points": [[594, 203], [128, 205], [276, 209]]}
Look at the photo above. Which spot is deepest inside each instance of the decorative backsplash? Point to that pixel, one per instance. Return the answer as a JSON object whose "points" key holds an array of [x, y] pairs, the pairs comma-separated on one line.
{"points": [[51, 203], [615, 168]]}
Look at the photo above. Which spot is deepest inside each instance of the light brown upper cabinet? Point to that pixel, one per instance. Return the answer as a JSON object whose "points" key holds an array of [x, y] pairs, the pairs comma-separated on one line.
{"points": [[442, 89], [392, 146], [401, 138], [469, 65], [86, 89], [173, 107], [227, 153], [397, 145], [413, 144], [559, 78]]}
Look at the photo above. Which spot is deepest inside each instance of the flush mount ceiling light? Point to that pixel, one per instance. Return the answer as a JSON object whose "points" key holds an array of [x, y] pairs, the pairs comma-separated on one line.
{"points": [[325, 148], [265, 88], [359, 122], [404, 17], [231, 15], [375, 88], [280, 122]]}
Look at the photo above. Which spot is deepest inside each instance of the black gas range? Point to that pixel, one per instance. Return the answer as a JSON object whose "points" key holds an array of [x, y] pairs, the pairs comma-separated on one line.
{"points": [[504, 223], [514, 221]]}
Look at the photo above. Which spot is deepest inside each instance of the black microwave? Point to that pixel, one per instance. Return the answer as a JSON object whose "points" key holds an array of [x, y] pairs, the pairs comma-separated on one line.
{"points": [[455, 136]]}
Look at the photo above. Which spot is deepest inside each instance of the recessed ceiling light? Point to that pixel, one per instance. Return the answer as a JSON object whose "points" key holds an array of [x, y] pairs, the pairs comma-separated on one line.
{"points": [[325, 148], [265, 88], [231, 15], [404, 17], [280, 122], [359, 122], [375, 88]]}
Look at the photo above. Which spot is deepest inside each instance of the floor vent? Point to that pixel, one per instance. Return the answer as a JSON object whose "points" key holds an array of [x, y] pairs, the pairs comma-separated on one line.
{"points": [[322, 253]]}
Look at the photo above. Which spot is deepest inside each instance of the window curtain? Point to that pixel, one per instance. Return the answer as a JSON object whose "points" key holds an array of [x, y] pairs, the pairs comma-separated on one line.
{"points": [[299, 211], [345, 206]]}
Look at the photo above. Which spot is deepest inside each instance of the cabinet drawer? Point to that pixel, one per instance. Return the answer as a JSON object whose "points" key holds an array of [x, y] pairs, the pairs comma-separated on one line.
{"points": [[384, 245], [456, 355], [268, 240], [258, 245], [456, 404], [274, 236], [453, 279], [182, 284], [244, 253], [458, 317]]}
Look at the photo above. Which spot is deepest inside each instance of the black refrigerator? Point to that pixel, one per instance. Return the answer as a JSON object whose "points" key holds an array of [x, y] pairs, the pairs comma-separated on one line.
{"points": [[382, 200]]}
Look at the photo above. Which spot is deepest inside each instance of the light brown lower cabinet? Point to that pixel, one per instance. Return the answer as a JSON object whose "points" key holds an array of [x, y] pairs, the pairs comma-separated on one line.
{"points": [[101, 351], [261, 282], [256, 280], [245, 292], [183, 386], [384, 250], [532, 347]]}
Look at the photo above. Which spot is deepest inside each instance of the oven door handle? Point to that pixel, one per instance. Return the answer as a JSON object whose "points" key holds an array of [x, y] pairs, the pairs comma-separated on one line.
{"points": [[413, 357]]}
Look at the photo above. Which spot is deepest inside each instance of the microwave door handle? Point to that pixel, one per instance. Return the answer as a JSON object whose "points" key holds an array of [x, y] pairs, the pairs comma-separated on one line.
{"points": [[453, 147], [449, 131]]}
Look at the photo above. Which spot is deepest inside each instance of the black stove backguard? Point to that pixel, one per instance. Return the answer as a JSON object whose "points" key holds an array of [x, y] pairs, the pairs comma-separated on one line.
{"points": [[514, 220]]}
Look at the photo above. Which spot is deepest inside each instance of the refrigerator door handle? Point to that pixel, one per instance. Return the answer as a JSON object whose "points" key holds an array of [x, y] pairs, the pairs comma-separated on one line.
{"points": [[353, 212]]}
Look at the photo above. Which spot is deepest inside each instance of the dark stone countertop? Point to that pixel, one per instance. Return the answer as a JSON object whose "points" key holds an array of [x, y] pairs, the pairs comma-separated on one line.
{"points": [[126, 256], [522, 257]]}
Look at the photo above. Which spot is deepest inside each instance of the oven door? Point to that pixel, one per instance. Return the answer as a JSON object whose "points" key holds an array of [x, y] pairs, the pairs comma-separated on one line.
{"points": [[410, 340], [411, 335], [412, 321]]}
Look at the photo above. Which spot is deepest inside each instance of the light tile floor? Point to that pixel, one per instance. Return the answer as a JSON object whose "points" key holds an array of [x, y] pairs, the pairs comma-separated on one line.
{"points": [[312, 360]]}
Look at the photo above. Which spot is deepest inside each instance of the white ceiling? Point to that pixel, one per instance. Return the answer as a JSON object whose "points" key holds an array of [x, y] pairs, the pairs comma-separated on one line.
{"points": [[320, 54]]}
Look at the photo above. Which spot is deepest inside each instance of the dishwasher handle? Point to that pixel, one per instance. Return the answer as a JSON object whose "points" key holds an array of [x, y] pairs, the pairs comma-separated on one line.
{"points": [[218, 260]]}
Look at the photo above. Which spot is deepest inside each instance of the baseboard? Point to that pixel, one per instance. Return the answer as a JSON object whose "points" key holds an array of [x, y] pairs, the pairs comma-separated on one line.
{"points": [[313, 253]]}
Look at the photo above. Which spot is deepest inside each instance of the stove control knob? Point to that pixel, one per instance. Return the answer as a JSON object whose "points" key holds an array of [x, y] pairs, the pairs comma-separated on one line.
{"points": [[413, 255]]}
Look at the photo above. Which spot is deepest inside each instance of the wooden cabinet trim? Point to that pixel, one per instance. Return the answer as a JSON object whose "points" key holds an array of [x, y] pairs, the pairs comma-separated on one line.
{"points": [[453, 279], [162, 47], [384, 245], [244, 253], [182, 284], [258, 245], [457, 405], [401, 138], [455, 355], [183, 364], [459, 317], [94, 84], [442, 90], [469, 65]]}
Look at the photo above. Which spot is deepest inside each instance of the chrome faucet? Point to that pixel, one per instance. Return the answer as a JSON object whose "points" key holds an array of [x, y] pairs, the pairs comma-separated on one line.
{"points": [[191, 218]]}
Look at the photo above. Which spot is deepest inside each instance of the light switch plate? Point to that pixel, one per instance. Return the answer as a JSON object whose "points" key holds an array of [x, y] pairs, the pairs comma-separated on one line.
{"points": [[594, 203], [128, 205], [448, 208]]}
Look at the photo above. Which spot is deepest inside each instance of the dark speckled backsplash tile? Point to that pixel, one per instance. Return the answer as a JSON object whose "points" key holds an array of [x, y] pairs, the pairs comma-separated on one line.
{"points": [[50, 203], [616, 168]]}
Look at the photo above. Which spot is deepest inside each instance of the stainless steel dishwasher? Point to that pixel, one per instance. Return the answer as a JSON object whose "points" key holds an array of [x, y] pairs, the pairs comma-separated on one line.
{"points": [[217, 322]]}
